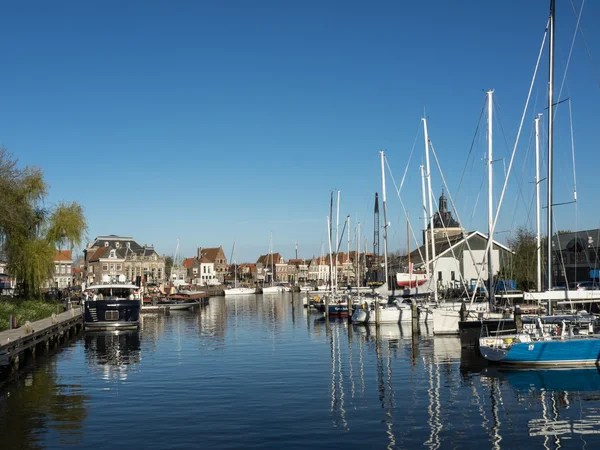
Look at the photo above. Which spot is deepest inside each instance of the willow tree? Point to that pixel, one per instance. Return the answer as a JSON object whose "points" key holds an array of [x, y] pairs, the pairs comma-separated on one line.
{"points": [[29, 231]]}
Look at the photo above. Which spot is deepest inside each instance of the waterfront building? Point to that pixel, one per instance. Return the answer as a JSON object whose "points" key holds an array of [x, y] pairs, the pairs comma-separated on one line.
{"points": [[575, 256], [63, 274], [444, 225], [461, 256], [201, 271], [117, 255], [216, 256]]}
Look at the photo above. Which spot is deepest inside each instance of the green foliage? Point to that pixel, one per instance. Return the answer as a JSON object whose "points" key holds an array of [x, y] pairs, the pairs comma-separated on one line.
{"points": [[522, 266], [25, 310], [30, 232]]}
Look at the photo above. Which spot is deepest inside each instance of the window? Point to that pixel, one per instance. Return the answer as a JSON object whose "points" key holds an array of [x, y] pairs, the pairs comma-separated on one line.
{"points": [[195, 270], [119, 267], [439, 276], [208, 269], [452, 277], [104, 267], [204, 269], [56, 268]]}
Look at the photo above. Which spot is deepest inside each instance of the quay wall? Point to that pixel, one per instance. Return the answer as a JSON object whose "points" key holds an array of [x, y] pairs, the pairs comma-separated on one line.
{"points": [[38, 336]]}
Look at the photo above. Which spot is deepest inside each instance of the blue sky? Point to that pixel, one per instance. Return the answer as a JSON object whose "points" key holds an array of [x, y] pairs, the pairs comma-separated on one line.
{"points": [[209, 121]]}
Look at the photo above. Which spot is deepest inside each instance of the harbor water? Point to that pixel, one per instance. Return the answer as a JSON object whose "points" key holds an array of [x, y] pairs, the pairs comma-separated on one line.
{"points": [[261, 372]]}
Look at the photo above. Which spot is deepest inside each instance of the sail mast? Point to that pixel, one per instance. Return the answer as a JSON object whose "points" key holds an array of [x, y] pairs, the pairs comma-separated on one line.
{"points": [[431, 225], [537, 205], [425, 240], [550, 145], [385, 224], [490, 94]]}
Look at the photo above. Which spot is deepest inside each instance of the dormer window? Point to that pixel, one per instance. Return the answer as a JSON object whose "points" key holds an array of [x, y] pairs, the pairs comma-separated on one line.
{"points": [[129, 245], [106, 244], [117, 245], [113, 253]]}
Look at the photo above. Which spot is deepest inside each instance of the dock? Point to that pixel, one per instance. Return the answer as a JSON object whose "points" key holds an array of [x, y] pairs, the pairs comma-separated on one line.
{"points": [[38, 336]]}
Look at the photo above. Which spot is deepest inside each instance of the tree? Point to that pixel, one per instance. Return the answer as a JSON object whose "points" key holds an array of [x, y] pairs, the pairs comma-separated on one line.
{"points": [[168, 266], [522, 265], [29, 231]]}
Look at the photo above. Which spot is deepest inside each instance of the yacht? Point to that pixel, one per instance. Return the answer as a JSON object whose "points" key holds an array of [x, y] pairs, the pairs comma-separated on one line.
{"points": [[111, 305]]}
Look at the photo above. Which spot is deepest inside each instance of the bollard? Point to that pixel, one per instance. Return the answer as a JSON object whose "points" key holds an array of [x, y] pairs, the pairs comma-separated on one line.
{"points": [[349, 308], [415, 316]]}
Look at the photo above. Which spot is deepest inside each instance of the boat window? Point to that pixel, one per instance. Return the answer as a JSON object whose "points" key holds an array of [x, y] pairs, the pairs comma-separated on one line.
{"points": [[111, 315]]}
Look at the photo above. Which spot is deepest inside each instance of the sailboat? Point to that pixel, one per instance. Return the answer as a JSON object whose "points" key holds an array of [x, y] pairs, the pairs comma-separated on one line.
{"points": [[273, 288], [237, 290], [372, 311], [571, 341]]}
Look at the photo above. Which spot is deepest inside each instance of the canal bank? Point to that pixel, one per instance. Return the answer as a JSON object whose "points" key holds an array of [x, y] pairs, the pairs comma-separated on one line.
{"points": [[35, 337]]}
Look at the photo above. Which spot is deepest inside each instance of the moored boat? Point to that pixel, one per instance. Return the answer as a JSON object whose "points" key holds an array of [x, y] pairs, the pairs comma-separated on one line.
{"points": [[112, 305]]}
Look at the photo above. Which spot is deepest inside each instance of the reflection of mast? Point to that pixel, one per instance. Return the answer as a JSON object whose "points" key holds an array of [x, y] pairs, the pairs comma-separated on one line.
{"points": [[435, 425], [495, 430]]}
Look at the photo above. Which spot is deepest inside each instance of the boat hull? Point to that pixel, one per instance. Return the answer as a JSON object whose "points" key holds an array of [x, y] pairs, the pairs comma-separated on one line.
{"points": [[239, 291], [111, 314], [556, 352]]}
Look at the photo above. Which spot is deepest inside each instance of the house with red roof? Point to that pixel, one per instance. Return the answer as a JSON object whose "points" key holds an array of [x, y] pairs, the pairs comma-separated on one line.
{"points": [[63, 274], [216, 256]]}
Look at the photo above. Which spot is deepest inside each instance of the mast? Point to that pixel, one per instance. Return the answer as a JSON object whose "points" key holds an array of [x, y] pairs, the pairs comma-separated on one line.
{"points": [[329, 227], [330, 256], [358, 257], [376, 236], [490, 94], [234, 266], [337, 237], [385, 224], [425, 243], [537, 205], [408, 254], [431, 225], [271, 255], [550, 145]]}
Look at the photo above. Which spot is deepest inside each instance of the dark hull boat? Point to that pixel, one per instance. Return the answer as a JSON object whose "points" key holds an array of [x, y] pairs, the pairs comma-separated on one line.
{"points": [[111, 306]]}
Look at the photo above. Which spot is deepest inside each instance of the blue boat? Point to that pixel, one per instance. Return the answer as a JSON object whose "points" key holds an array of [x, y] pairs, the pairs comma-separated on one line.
{"points": [[554, 351]]}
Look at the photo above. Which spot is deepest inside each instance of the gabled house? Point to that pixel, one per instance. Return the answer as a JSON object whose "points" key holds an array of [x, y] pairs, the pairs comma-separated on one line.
{"points": [[117, 255], [266, 267], [462, 256], [298, 270], [63, 276], [216, 256], [319, 270]]}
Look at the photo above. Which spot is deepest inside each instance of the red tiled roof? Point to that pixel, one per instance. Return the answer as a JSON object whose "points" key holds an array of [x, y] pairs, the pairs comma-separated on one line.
{"points": [[187, 262], [295, 261], [99, 253], [63, 255], [211, 253]]}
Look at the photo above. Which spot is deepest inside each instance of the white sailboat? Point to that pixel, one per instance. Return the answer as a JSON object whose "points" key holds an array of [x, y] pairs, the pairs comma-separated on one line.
{"points": [[237, 290], [274, 288]]}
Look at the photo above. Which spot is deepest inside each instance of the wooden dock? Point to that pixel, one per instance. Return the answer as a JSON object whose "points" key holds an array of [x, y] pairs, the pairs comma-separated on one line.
{"points": [[40, 335]]}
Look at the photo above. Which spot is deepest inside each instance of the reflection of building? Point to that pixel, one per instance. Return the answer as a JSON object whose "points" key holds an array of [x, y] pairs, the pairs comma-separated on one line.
{"points": [[575, 255]]}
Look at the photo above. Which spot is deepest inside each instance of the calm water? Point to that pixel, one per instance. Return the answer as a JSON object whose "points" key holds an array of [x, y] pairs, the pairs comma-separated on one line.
{"points": [[257, 372]]}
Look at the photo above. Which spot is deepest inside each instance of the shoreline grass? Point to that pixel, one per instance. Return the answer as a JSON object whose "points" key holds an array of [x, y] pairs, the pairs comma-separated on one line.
{"points": [[26, 310]]}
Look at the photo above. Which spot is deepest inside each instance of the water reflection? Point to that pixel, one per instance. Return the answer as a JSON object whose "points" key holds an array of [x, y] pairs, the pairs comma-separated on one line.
{"points": [[260, 371], [42, 404], [113, 352]]}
